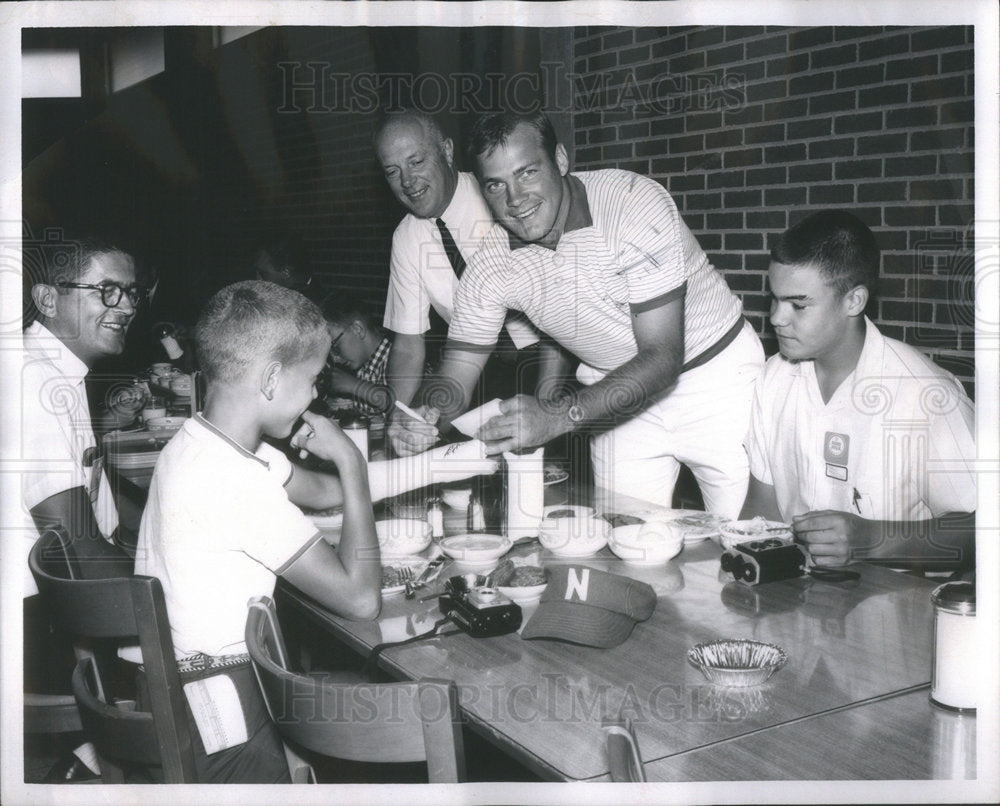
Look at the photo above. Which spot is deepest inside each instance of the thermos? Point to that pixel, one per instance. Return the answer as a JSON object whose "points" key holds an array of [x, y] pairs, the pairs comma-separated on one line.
{"points": [[952, 685]]}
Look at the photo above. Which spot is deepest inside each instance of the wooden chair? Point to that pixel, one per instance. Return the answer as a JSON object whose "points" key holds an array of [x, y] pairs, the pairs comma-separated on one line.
{"points": [[58, 713], [622, 749], [123, 608], [402, 722]]}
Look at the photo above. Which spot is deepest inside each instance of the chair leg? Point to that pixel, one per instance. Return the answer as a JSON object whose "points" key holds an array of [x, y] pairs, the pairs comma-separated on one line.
{"points": [[110, 773], [300, 770]]}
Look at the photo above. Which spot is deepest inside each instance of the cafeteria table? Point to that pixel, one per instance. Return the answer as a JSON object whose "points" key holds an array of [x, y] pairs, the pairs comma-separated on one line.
{"points": [[859, 664]]}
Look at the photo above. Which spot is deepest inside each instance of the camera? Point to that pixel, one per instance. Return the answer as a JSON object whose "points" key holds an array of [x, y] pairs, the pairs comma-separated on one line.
{"points": [[478, 609], [768, 560]]}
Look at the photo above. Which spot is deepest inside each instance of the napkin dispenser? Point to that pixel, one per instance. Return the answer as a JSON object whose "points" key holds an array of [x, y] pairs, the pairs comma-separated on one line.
{"points": [[522, 494]]}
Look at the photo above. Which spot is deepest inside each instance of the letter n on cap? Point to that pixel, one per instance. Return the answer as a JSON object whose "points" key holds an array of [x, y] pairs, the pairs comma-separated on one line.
{"points": [[577, 584]]}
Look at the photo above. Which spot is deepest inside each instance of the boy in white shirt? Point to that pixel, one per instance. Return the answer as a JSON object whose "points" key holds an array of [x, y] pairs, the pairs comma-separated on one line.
{"points": [[223, 519], [861, 442]]}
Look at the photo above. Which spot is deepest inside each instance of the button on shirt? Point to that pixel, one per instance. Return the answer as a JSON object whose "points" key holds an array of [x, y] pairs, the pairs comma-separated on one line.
{"points": [[56, 435], [420, 274], [895, 441]]}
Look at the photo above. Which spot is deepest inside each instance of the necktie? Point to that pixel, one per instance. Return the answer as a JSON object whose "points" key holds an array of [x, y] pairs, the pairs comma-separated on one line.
{"points": [[451, 248]]}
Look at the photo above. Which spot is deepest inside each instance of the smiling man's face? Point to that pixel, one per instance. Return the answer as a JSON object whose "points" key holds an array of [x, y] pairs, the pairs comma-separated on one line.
{"points": [[417, 166], [83, 322], [523, 185]]}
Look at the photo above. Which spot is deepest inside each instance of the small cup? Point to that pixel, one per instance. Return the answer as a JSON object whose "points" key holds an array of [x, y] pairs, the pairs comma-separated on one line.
{"points": [[155, 407]]}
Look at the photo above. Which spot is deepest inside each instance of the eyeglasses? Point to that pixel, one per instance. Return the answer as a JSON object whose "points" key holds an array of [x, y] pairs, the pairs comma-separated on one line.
{"points": [[111, 293], [333, 344]]}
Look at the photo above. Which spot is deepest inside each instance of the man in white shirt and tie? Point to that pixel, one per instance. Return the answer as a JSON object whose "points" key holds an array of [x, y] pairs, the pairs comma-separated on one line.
{"points": [[447, 218]]}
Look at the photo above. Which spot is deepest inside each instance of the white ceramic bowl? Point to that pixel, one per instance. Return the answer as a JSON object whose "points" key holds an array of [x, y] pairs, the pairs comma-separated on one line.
{"points": [[558, 511], [649, 543], [456, 497], [574, 536], [524, 594], [476, 550], [400, 537], [733, 532]]}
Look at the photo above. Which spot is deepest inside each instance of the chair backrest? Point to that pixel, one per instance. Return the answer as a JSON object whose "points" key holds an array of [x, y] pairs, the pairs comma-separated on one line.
{"points": [[387, 722], [622, 748], [126, 608]]}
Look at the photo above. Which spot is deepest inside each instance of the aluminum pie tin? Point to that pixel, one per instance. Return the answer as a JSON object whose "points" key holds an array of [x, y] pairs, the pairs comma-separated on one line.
{"points": [[737, 662]]}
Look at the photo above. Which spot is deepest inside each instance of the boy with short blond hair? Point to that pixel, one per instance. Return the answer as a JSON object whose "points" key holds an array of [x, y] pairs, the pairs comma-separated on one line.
{"points": [[223, 518], [860, 441]]}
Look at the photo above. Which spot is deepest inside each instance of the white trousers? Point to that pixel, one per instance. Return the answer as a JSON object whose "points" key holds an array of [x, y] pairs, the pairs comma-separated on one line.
{"points": [[701, 422]]}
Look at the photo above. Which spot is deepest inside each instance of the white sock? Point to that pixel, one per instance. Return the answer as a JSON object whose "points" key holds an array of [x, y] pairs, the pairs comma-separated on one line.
{"points": [[87, 753]]}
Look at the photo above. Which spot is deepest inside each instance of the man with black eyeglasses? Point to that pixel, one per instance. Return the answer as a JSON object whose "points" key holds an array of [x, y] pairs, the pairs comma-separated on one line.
{"points": [[85, 298]]}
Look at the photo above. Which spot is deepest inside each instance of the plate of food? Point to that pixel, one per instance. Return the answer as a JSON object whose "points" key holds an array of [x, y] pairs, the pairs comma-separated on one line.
{"points": [[553, 474], [332, 518], [697, 525], [393, 575], [523, 584], [402, 536], [733, 532]]}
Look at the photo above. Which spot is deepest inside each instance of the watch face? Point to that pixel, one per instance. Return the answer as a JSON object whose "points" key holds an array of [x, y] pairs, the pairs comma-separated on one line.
{"points": [[575, 414]]}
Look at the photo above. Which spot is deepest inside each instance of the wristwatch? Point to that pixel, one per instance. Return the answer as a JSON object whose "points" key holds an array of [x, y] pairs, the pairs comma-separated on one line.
{"points": [[576, 414]]}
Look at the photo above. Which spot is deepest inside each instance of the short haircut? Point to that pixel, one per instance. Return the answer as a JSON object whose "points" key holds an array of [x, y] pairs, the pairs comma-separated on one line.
{"points": [[254, 320], [429, 124], [341, 310], [836, 242], [65, 259], [492, 130]]}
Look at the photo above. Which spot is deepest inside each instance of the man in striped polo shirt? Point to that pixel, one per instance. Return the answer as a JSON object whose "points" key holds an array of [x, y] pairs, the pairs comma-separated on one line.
{"points": [[603, 264]]}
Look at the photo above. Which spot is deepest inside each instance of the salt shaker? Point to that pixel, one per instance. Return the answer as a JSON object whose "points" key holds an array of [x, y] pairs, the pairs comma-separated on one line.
{"points": [[952, 686], [435, 517], [356, 428], [475, 518]]}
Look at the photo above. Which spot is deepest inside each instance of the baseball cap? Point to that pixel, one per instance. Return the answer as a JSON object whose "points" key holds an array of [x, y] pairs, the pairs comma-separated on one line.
{"points": [[591, 607]]}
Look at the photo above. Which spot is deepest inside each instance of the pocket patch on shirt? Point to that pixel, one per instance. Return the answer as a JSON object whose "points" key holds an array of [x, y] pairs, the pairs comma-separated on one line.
{"points": [[836, 448]]}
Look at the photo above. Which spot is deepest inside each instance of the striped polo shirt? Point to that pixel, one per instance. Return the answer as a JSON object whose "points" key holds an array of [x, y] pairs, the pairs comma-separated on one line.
{"points": [[625, 250]]}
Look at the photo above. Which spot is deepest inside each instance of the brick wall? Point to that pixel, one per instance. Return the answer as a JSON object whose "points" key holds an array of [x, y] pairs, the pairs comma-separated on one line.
{"points": [[310, 159], [751, 128]]}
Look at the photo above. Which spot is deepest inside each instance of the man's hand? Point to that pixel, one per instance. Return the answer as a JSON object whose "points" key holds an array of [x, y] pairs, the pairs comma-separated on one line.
{"points": [[522, 424], [829, 535], [408, 435]]}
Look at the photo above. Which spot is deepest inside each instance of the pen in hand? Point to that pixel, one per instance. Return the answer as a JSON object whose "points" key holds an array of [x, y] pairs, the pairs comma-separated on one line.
{"points": [[407, 410]]}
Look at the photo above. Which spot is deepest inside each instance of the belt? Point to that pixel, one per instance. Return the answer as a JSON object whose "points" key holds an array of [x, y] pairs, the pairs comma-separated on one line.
{"points": [[202, 662], [707, 355]]}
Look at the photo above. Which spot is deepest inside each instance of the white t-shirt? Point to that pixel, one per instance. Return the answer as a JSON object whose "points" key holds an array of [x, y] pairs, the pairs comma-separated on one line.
{"points": [[420, 274], [56, 436], [217, 530], [637, 254], [895, 442]]}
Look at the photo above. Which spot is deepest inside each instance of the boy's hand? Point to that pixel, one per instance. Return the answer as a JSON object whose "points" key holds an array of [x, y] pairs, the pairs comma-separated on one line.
{"points": [[409, 436], [828, 535], [324, 439]]}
